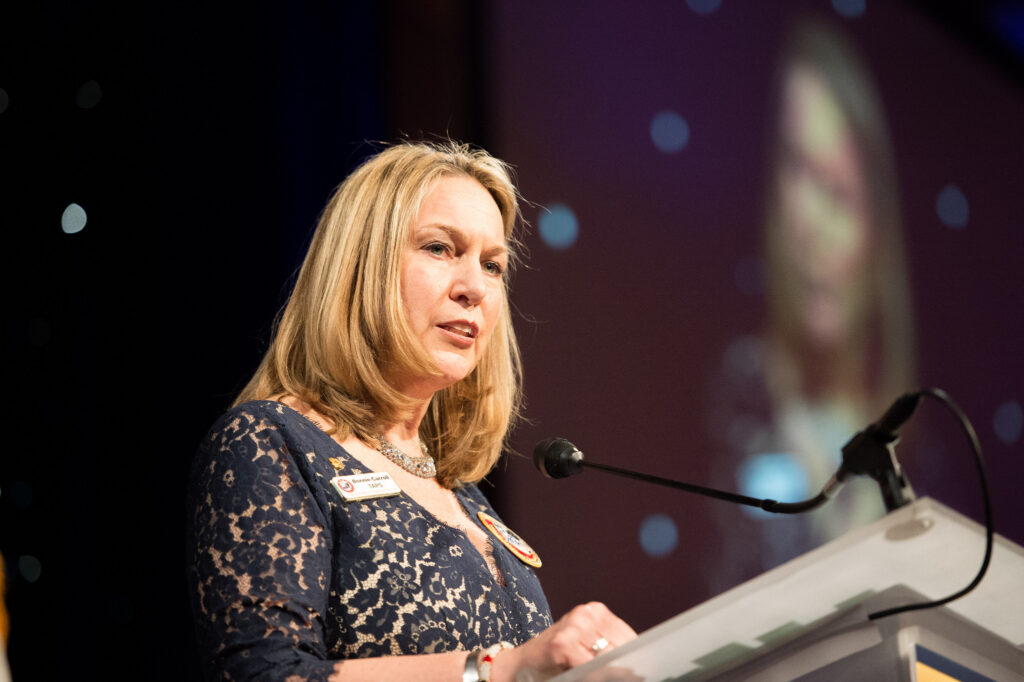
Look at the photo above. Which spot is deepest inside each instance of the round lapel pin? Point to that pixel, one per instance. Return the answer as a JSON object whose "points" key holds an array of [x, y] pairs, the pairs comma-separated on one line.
{"points": [[512, 542]]}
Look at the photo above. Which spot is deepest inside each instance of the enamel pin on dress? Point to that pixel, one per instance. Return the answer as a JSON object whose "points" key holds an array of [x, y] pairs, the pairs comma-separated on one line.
{"points": [[512, 542]]}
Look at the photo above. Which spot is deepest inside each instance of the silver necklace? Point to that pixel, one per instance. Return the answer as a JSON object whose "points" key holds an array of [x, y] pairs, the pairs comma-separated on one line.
{"points": [[422, 466]]}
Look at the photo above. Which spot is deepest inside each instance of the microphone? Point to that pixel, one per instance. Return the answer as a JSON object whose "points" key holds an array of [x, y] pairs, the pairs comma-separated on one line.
{"points": [[558, 458], [873, 452]]}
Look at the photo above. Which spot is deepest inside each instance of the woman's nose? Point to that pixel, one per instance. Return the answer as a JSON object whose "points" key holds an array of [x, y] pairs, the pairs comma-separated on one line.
{"points": [[469, 285]]}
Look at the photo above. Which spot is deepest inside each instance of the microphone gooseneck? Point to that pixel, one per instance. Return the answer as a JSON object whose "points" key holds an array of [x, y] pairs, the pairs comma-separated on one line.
{"points": [[558, 458]]}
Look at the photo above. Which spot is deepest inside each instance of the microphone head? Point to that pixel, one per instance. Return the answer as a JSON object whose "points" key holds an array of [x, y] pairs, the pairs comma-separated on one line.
{"points": [[557, 458], [897, 414]]}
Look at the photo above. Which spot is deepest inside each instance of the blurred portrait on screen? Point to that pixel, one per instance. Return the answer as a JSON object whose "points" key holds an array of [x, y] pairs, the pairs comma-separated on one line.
{"points": [[835, 347]]}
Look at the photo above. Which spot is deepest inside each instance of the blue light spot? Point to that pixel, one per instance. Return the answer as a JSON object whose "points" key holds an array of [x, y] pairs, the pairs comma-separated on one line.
{"points": [[951, 205], [850, 9], [658, 535], [670, 132], [558, 226], [773, 476], [73, 219], [1009, 422], [703, 6]]}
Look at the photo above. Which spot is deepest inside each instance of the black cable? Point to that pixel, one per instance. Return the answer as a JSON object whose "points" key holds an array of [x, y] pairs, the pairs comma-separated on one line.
{"points": [[972, 438]]}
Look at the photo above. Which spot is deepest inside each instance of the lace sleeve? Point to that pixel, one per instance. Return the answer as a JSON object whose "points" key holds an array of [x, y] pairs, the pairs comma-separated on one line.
{"points": [[259, 557]]}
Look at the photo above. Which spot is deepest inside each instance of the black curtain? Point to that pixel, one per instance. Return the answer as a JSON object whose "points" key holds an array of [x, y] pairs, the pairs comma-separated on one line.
{"points": [[200, 141]]}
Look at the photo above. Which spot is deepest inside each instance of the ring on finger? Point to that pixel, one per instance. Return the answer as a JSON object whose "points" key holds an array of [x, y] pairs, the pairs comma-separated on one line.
{"points": [[599, 645]]}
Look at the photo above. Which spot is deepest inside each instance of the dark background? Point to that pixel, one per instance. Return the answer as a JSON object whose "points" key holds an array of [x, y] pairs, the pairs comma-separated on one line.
{"points": [[203, 141]]}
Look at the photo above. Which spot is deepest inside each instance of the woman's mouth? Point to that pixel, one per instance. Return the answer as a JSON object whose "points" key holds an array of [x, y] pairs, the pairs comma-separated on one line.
{"points": [[466, 329]]}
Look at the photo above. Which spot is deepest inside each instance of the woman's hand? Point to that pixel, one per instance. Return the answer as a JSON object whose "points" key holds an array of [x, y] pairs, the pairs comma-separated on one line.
{"points": [[576, 638]]}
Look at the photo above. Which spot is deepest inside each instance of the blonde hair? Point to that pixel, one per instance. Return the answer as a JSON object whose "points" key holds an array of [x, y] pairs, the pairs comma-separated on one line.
{"points": [[343, 329]]}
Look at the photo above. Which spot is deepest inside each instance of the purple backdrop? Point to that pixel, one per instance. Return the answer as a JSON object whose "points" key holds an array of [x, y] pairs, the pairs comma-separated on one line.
{"points": [[622, 331]]}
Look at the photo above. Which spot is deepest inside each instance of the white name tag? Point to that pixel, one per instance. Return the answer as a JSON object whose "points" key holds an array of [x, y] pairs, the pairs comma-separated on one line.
{"points": [[365, 486]]}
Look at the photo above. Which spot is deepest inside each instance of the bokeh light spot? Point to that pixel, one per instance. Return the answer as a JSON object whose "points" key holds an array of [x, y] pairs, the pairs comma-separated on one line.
{"points": [[703, 6], [89, 95], [951, 205], [774, 476], [558, 226], [850, 9], [73, 220], [751, 275], [21, 494], [658, 535], [30, 568], [670, 132], [1008, 422], [744, 358]]}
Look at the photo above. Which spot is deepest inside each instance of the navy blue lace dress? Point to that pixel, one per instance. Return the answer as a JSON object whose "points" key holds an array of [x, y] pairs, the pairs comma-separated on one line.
{"points": [[286, 578]]}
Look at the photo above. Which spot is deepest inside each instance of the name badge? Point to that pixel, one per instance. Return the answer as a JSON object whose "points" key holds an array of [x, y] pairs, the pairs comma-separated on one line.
{"points": [[365, 486]]}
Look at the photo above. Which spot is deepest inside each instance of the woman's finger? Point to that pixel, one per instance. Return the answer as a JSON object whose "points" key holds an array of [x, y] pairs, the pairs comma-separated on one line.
{"points": [[609, 627]]}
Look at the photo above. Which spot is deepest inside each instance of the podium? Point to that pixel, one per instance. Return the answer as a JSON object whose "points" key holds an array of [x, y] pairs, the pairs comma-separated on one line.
{"points": [[808, 619]]}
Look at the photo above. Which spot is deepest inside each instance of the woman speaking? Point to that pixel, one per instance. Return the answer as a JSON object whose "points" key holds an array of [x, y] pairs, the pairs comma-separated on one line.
{"points": [[335, 528]]}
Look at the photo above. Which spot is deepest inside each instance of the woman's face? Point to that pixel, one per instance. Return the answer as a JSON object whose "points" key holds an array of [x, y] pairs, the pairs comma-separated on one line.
{"points": [[452, 279], [825, 218]]}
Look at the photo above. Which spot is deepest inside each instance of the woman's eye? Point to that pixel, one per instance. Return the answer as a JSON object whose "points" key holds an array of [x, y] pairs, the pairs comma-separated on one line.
{"points": [[436, 248], [492, 268]]}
